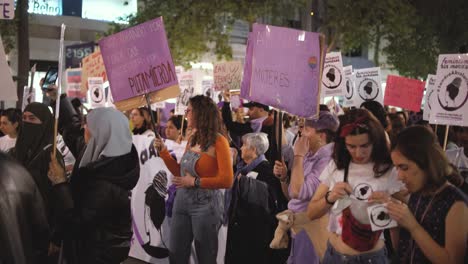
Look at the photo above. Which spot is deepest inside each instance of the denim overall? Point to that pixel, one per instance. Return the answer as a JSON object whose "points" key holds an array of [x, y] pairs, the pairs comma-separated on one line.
{"points": [[196, 216]]}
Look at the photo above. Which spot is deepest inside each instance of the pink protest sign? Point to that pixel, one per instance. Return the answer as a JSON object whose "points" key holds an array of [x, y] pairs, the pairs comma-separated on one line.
{"points": [[138, 60], [404, 92], [286, 68]]}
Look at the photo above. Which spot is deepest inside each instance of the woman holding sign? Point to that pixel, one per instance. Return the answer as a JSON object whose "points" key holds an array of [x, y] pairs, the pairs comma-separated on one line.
{"points": [[433, 223], [205, 168], [360, 172]]}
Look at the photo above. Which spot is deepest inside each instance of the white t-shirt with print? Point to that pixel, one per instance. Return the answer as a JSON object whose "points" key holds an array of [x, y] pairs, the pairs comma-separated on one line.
{"points": [[6, 143], [362, 181]]}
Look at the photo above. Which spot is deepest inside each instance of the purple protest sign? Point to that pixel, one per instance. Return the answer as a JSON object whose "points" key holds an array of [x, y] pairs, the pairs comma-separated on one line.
{"points": [[286, 65], [138, 60]]}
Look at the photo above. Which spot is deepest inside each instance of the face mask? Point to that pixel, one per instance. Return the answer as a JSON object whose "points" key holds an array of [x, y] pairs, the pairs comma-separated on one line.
{"points": [[32, 134]]}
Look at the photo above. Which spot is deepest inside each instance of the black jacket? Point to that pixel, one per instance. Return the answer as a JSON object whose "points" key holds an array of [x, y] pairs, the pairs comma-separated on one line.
{"points": [[24, 233], [252, 219], [95, 210]]}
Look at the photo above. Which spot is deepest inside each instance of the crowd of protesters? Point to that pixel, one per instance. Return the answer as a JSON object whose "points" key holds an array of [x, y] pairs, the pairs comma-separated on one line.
{"points": [[290, 191]]}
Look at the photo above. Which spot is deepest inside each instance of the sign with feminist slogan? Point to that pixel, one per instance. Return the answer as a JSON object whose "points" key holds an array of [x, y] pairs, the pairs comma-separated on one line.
{"points": [[429, 97], [333, 81], [227, 75], [93, 66], [96, 92], [404, 92], [450, 106], [290, 80], [74, 82], [349, 87], [367, 86], [138, 62]]}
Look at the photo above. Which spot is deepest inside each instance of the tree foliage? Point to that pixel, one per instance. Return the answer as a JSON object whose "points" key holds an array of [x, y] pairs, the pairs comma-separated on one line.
{"points": [[196, 27], [415, 31]]}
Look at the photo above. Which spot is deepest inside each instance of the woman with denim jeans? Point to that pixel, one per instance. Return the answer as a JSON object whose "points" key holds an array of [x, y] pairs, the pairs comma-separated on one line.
{"points": [[205, 168]]}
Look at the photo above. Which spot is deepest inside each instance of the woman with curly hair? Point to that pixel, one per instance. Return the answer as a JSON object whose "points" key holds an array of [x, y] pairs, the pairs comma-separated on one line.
{"points": [[206, 167]]}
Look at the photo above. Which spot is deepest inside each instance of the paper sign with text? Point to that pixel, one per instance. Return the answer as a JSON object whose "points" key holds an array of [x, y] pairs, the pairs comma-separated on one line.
{"points": [[74, 83], [96, 92], [349, 91], [368, 86], [450, 106], [138, 60], [404, 92], [286, 80], [429, 97], [93, 66], [7, 9], [333, 81], [227, 75]]}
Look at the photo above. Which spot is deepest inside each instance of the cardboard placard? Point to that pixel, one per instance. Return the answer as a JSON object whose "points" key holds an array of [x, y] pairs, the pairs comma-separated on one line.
{"points": [[74, 83], [349, 91], [7, 9], [138, 62], [429, 97], [96, 92], [368, 86], [404, 92], [93, 66], [227, 75]]}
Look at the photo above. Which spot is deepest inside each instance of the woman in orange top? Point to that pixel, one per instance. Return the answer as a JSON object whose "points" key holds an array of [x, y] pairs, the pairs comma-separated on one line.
{"points": [[205, 168]]}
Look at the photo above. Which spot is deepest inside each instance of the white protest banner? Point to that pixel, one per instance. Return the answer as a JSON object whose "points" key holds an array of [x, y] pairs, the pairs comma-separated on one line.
{"points": [[96, 92], [349, 90], [207, 88], [368, 86], [190, 85], [450, 106], [8, 89], [430, 89], [158, 105], [333, 81], [109, 98], [227, 75], [7, 9], [150, 225]]}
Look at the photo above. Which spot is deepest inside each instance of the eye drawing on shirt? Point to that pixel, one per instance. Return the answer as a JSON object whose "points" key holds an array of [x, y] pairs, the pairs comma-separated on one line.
{"points": [[379, 216], [362, 191]]}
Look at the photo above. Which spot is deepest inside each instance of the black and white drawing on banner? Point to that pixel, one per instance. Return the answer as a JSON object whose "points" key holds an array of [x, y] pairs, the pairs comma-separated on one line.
{"points": [[96, 92], [368, 86], [333, 83], [429, 96]]}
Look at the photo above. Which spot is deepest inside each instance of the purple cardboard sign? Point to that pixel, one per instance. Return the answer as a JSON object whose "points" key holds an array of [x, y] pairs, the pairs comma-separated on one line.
{"points": [[285, 69], [138, 60]]}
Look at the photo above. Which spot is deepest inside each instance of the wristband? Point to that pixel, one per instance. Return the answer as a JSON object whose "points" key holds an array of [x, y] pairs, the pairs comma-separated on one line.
{"points": [[196, 183], [326, 198]]}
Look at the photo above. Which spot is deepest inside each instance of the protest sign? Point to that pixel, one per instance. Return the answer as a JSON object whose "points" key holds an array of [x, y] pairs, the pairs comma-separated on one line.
{"points": [[150, 233], [7, 9], [247, 76], [138, 62], [227, 75], [96, 92], [333, 81], [208, 90], [109, 99], [8, 87], [93, 66], [28, 97], [74, 82], [187, 91], [349, 91], [289, 81], [450, 106], [404, 92], [74, 54], [367, 86], [429, 97]]}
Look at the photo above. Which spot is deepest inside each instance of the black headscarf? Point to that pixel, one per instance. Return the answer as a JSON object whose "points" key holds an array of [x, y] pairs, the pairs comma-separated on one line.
{"points": [[32, 138]]}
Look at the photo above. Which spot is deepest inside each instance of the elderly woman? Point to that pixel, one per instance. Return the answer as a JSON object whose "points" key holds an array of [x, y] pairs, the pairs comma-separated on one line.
{"points": [[433, 224], [252, 210]]}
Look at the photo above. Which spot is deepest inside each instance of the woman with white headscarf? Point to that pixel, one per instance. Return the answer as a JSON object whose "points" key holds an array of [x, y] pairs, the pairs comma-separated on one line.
{"points": [[95, 209]]}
